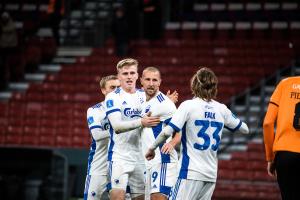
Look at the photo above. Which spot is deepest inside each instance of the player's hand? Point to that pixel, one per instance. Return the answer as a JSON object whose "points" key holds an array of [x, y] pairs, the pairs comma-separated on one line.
{"points": [[173, 96], [271, 169], [150, 154], [148, 120], [167, 148]]}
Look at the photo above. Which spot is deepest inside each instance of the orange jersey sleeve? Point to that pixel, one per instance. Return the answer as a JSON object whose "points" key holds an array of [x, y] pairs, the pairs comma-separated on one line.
{"points": [[284, 112], [268, 128]]}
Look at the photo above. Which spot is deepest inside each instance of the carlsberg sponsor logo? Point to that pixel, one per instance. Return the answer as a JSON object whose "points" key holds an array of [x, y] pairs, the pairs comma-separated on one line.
{"points": [[132, 112]]}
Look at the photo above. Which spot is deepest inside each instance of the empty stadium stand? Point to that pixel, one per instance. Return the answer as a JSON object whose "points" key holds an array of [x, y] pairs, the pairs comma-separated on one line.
{"points": [[250, 45]]}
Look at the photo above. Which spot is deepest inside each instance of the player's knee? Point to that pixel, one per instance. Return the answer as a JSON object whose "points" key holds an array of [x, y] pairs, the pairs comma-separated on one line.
{"points": [[117, 194], [158, 196]]}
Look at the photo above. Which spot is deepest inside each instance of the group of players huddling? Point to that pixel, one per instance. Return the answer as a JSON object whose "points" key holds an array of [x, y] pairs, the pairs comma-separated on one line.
{"points": [[131, 123]]}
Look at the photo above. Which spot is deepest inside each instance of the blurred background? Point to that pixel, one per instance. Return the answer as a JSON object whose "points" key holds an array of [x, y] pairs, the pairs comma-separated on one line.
{"points": [[54, 52]]}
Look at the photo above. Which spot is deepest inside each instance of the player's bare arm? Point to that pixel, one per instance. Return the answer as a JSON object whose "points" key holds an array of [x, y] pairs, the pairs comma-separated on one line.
{"points": [[271, 169], [162, 137], [168, 147]]}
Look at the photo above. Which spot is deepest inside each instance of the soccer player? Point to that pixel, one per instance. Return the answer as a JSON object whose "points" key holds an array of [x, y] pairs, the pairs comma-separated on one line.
{"points": [[124, 109], [201, 121], [283, 147], [96, 179], [161, 171]]}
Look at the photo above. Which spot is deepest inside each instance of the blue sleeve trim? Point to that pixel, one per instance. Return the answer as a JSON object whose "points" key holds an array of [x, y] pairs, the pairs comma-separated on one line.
{"points": [[174, 126], [113, 110], [93, 127], [234, 129], [167, 121]]}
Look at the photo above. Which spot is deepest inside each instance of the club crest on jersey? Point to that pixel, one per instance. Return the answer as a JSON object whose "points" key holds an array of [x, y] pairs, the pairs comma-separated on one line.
{"points": [[129, 112], [141, 100], [109, 103], [90, 120], [147, 109]]}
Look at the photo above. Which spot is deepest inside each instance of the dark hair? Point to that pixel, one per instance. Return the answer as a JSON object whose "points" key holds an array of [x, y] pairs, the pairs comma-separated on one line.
{"points": [[204, 84]]}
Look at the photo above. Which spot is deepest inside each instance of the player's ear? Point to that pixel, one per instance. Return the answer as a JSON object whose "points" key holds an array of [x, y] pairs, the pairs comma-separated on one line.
{"points": [[103, 91], [141, 81]]}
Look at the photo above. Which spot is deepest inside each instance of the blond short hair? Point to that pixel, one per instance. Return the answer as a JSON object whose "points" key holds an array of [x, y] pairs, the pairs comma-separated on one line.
{"points": [[152, 69], [104, 80], [204, 84], [126, 62]]}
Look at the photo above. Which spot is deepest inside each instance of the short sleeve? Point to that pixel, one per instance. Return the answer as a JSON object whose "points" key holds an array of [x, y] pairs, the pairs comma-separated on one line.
{"points": [[276, 96], [112, 103], [167, 109], [179, 117], [94, 119], [231, 122]]}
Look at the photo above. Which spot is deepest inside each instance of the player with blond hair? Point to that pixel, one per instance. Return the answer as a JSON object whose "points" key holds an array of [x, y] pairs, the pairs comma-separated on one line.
{"points": [[201, 121], [124, 111], [96, 179]]}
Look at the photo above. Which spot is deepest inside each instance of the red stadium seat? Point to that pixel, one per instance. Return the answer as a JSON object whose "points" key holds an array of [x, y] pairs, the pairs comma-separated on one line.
{"points": [[46, 140], [254, 147], [47, 131], [62, 141], [14, 135]]}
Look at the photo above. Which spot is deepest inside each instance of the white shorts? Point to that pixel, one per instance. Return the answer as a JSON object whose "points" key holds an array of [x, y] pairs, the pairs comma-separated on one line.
{"points": [[192, 189], [122, 175], [162, 177], [95, 186]]}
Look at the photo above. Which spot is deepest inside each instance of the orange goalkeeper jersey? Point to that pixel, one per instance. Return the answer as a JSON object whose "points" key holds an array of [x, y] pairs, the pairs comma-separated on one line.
{"points": [[285, 106]]}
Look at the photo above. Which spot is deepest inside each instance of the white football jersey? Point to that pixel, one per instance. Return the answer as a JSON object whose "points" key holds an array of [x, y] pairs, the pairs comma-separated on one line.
{"points": [[97, 161], [125, 146], [159, 106], [201, 124]]}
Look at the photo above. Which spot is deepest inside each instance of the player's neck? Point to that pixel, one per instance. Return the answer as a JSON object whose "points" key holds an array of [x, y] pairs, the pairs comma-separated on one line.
{"points": [[129, 90], [149, 97]]}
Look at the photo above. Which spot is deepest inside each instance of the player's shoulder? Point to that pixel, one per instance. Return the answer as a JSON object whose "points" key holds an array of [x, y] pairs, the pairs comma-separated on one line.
{"points": [[160, 97], [218, 105], [140, 90], [290, 80], [114, 93], [188, 103], [141, 94], [95, 108], [220, 108], [117, 90]]}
